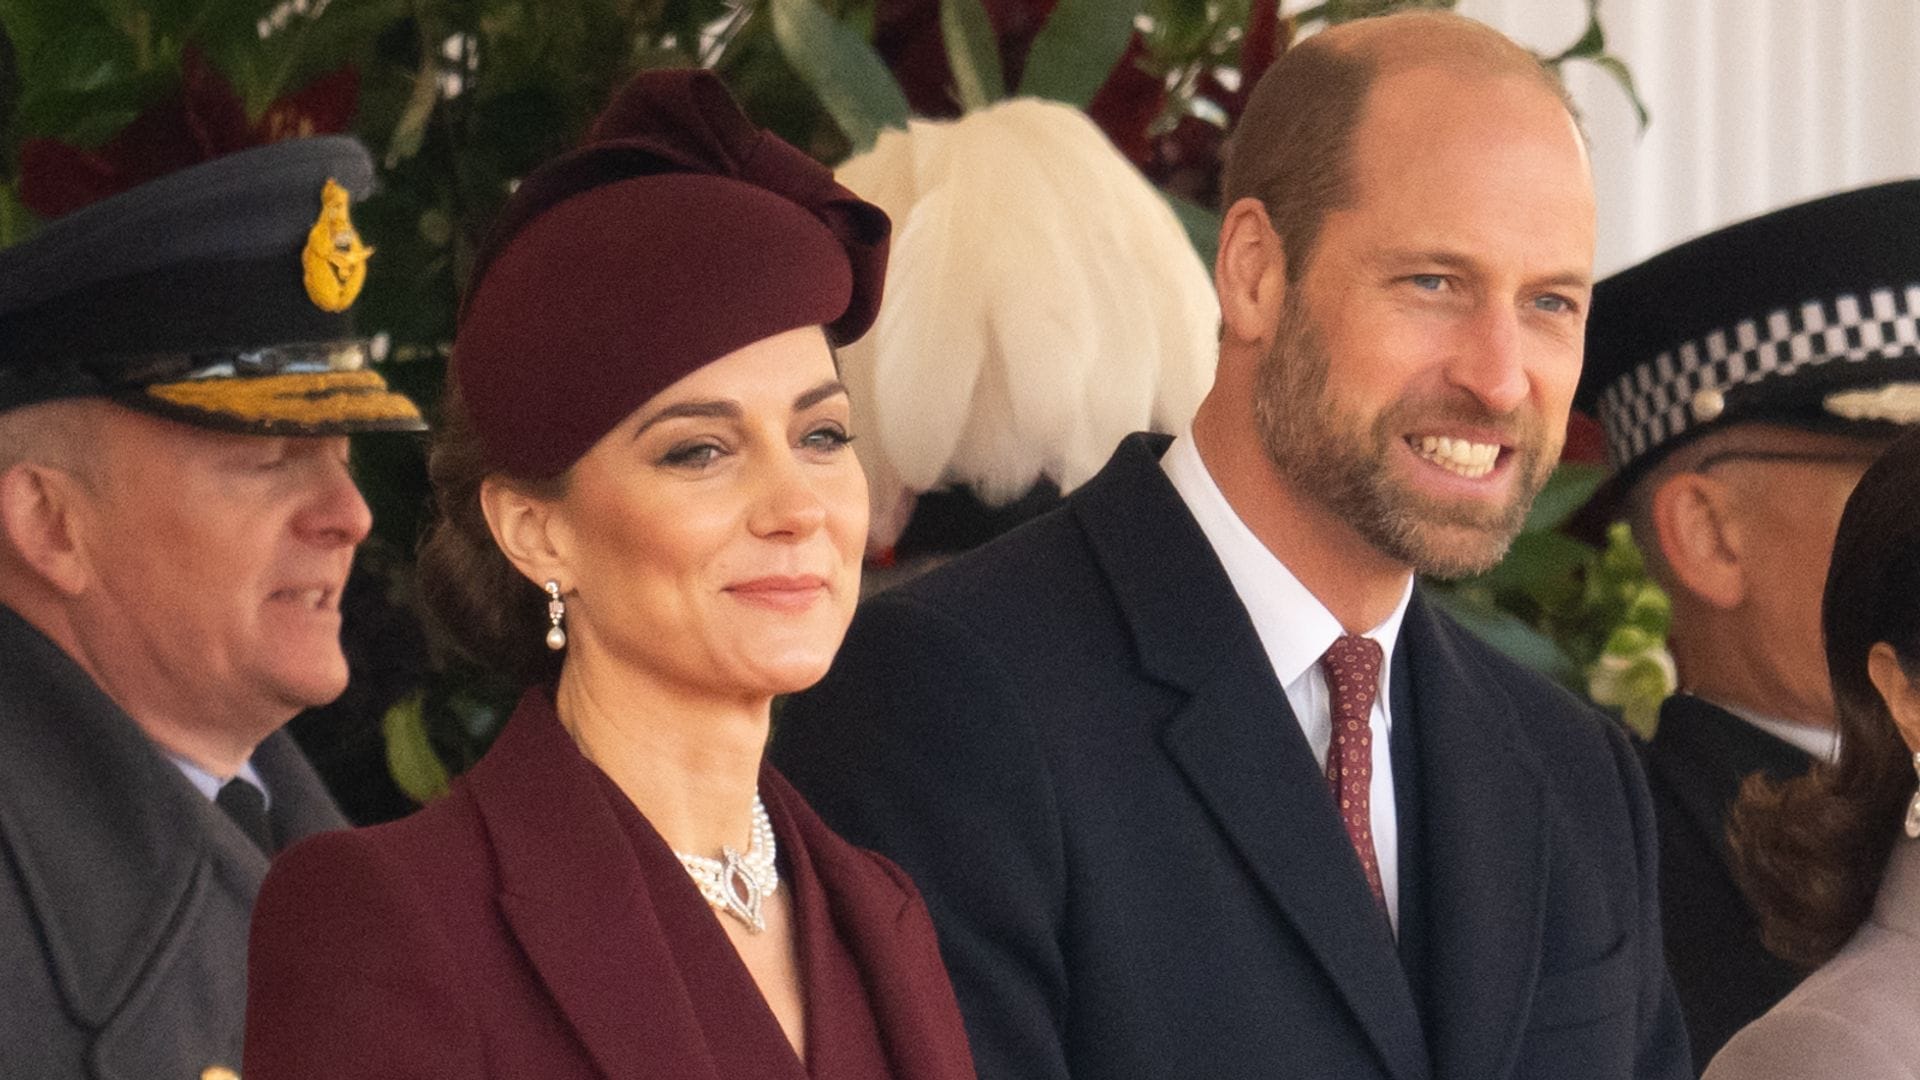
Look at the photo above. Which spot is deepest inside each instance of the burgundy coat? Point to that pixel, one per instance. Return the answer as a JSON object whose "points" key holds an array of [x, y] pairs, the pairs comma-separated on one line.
{"points": [[531, 924]]}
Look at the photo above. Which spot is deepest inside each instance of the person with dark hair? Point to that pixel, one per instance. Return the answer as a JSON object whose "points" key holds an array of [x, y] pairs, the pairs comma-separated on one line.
{"points": [[179, 373], [1823, 856], [1197, 781], [650, 512], [1778, 354]]}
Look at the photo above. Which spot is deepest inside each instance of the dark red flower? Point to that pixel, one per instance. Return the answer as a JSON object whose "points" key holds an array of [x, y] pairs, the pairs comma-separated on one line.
{"points": [[1267, 36], [202, 120], [324, 106], [1128, 103], [1586, 440], [907, 35]]}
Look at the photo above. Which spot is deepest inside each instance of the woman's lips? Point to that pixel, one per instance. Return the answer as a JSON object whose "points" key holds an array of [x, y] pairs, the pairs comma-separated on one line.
{"points": [[782, 592]]}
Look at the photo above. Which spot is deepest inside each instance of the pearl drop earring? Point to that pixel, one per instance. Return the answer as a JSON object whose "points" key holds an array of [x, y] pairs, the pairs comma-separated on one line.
{"points": [[556, 611]]}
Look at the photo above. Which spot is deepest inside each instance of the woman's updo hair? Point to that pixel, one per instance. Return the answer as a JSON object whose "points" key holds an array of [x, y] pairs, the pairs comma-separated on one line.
{"points": [[1809, 852], [483, 602]]}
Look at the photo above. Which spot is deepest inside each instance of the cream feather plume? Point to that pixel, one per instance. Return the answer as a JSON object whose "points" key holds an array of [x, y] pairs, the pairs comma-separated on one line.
{"points": [[1042, 302]]}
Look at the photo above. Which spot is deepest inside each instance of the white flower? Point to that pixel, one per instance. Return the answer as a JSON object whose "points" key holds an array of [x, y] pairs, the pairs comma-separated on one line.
{"points": [[1635, 683], [1042, 301]]}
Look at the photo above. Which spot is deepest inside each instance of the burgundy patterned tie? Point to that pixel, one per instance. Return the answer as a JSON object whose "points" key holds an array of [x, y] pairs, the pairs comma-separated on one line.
{"points": [[1352, 667]]}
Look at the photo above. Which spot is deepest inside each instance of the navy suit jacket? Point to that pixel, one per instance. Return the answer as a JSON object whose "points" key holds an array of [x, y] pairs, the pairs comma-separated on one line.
{"points": [[1073, 741]]}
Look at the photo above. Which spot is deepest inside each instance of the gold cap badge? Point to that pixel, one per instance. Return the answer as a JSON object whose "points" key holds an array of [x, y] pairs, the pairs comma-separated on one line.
{"points": [[334, 258], [218, 1072]]}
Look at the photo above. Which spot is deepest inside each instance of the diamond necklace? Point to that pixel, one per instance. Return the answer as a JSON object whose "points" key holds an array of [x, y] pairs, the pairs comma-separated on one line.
{"points": [[739, 884]]}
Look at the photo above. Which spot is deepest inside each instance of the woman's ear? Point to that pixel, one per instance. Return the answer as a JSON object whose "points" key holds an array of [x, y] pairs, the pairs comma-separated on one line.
{"points": [[1249, 273], [1898, 689], [1701, 538], [530, 530]]}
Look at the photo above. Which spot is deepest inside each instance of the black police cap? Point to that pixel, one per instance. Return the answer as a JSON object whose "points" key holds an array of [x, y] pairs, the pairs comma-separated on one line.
{"points": [[1807, 317]]}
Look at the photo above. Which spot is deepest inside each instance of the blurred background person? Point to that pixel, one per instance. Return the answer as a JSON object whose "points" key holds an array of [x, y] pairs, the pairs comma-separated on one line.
{"points": [[1745, 380], [651, 512], [1832, 859], [178, 370]]}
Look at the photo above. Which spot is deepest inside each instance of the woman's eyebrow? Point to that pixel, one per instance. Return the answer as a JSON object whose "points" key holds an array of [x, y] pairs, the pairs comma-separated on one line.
{"points": [[818, 394], [725, 410]]}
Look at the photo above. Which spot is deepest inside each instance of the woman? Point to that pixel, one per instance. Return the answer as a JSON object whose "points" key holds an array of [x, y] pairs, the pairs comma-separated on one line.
{"points": [[1832, 860], [651, 512]]}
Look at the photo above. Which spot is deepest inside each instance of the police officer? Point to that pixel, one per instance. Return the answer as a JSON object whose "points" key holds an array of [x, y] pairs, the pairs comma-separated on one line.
{"points": [[1745, 380], [178, 371]]}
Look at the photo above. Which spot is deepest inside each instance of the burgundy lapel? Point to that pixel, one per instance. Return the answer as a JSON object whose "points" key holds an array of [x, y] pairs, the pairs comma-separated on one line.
{"points": [[571, 889], [887, 931]]}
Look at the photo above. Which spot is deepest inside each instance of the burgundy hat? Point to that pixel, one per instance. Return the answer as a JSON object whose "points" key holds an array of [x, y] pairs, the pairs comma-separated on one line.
{"points": [[676, 234]]}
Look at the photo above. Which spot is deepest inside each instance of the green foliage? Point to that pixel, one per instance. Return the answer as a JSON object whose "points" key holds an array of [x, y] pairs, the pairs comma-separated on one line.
{"points": [[1589, 617], [411, 759], [850, 78], [1592, 47], [1077, 48], [1202, 225], [972, 52]]}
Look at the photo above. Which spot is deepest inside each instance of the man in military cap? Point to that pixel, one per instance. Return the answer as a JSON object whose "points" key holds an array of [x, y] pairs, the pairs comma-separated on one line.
{"points": [[178, 370], [1745, 381]]}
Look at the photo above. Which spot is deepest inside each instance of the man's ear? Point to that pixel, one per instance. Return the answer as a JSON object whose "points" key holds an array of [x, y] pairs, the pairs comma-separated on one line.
{"points": [[529, 531], [1249, 273], [1702, 538], [42, 516]]}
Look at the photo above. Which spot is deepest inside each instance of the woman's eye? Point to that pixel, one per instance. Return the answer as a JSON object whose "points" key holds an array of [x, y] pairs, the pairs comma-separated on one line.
{"points": [[692, 455], [829, 437]]}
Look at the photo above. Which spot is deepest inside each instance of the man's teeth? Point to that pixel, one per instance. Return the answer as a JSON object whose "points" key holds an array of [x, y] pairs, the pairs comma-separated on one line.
{"points": [[1469, 459]]}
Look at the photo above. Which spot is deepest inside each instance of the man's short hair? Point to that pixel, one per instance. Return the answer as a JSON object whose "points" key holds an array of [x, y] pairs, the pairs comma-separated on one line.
{"points": [[55, 433], [1293, 147]]}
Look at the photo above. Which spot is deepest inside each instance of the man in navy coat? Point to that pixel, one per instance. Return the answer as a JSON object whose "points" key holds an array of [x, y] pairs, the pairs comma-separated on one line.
{"points": [[1196, 781]]}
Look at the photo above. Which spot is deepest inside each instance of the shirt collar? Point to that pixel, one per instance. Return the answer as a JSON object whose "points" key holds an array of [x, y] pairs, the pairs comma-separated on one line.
{"points": [[1822, 743], [1293, 625], [209, 785]]}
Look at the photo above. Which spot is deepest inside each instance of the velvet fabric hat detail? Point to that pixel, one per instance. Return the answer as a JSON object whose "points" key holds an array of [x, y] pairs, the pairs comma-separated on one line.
{"points": [[676, 234]]}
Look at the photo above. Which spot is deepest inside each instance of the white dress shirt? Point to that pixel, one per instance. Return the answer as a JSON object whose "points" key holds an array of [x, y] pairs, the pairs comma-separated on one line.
{"points": [[1823, 743], [1296, 630], [210, 785]]}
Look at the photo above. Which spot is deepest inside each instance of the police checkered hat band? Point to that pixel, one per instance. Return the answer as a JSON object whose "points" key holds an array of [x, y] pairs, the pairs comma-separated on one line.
{"points": [[1688, 386], [1807, 316]]}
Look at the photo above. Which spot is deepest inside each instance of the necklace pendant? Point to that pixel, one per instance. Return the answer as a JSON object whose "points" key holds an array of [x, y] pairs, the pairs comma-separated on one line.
{"points": [[742, 888], [737, 884]]}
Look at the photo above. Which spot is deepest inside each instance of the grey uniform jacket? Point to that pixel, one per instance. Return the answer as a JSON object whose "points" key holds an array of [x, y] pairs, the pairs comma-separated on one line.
{"points": [[124, 892], [1858, 1016]]}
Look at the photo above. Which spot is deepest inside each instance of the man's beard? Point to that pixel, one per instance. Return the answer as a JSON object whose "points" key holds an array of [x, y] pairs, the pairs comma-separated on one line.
{"points": [[1331, 459]]}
